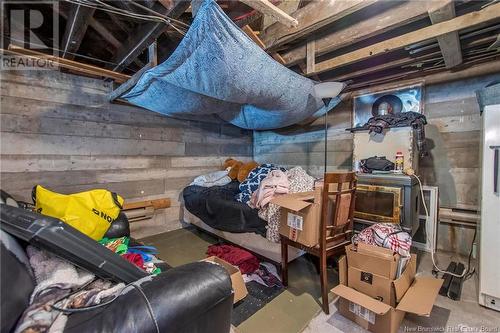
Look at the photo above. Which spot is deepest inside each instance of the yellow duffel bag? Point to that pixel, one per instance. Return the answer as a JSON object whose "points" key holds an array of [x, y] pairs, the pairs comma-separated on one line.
{"points": [[90, 212]]}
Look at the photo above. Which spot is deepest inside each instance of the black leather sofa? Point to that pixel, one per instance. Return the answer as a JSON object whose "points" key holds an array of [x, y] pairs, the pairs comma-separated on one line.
{"points": [[196, 297]]}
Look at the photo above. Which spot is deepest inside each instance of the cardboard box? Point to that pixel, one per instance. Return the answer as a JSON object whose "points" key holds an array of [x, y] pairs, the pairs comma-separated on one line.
{"points": [[379, 317], [239, 287], [374, 259], [300, 216], [374, 270]]}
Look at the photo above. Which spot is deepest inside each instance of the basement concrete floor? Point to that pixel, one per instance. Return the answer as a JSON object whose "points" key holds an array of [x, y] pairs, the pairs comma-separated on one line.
{"points": [[293, 310]]}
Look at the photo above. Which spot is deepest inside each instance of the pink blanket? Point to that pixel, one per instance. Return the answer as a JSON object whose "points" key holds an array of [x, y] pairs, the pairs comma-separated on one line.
{"points": [[275, 183]]}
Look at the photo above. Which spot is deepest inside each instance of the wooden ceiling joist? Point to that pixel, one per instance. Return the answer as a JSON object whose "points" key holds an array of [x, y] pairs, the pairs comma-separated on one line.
{"points": [[435, 77], [253, 36], [288, 6], [140, 41], [77, 23], [312, 17], [75, 66], [105, 33], [97, 26], [448, 43], [387, 65], [401, 14], [267, 8], [485, 15]]}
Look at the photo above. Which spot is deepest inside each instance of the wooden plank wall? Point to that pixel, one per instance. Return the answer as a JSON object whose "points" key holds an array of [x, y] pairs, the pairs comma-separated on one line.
{"points": [[454, 139], [59, 131], [304, 145]]}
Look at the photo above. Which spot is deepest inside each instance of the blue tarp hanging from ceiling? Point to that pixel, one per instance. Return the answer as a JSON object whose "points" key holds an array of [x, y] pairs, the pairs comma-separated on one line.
{"points": [[218, 69]]}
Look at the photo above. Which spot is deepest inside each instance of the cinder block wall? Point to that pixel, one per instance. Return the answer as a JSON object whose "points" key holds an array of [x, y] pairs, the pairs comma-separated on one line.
{"points": [[59, 131]]}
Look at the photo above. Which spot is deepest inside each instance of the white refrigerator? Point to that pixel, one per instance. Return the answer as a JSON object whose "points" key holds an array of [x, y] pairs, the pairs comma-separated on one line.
{"points": [[489, 252]]}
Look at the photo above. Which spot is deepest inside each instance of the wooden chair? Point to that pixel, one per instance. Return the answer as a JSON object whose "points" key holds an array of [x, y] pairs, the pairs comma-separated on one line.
{"points": [[339, 191]]}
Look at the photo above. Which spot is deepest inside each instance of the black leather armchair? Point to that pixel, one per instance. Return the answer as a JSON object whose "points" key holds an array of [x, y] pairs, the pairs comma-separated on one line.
{"points": [[195, 297]]}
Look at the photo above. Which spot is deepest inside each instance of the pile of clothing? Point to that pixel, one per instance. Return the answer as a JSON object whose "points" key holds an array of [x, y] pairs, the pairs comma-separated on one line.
{"points": [[256, 185], [252, 270], [61, 285], [387, 235], [299, 181], [267, 181], [141, 256]]}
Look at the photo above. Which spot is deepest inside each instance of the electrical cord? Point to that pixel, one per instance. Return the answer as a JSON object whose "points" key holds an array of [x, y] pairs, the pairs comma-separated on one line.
{"points": [[466, 273], [156, 13], [108, 8]]}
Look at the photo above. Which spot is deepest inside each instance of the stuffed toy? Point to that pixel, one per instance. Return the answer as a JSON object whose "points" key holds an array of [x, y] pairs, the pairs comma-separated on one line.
{"points": [[245, 170], [234, 167], [228, 163]]}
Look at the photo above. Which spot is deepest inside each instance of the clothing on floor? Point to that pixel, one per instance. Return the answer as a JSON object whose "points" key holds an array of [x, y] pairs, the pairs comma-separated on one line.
{"points": [[57, 281], [266, 275], [251, 183], [246, 262], [387, 235], [275, 183], [217, 178], [299, 181]]}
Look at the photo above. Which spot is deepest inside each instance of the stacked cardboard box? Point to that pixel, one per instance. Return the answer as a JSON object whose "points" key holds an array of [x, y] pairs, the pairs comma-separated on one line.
{"points": [[375, 291]]}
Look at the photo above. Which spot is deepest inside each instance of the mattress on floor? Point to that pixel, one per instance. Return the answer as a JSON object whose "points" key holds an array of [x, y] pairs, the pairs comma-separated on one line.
{"points": [[250, 241], [217, 207]]}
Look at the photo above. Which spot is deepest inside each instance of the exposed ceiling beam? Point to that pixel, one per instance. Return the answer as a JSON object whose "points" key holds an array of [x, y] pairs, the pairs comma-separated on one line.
{"points": [[267, 8], [406, 61], [485, 15], [119, 23], [105, 33], [5, 27], [448, 43], [311, 56], [312, 17], [434, 56], [288, 6], [401, 14], [77, 23], [166, 3], [97, 26], [253, 36], [68, 64], [140, 40], [437, 76]]}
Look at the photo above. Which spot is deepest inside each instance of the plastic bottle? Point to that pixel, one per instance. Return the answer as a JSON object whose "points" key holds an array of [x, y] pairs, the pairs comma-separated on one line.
{"points": [[400, 161]]}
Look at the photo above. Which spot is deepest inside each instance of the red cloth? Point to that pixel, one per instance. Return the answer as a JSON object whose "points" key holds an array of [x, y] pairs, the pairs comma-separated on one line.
{"points": [[134, 258], [246, 262]]}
